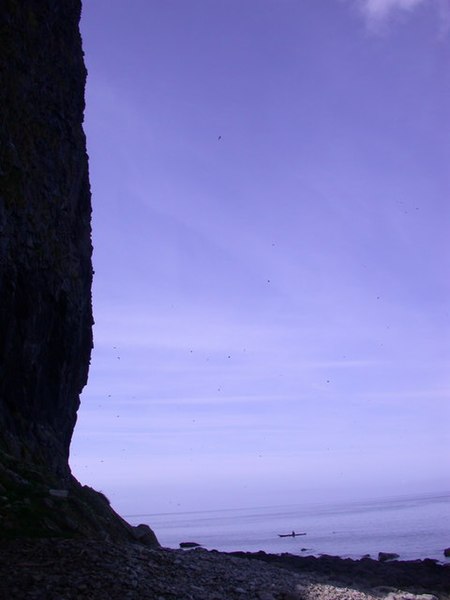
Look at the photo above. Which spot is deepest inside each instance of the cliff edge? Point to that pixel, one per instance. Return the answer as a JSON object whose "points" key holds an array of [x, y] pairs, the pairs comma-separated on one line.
{"points": [[45, 273]]}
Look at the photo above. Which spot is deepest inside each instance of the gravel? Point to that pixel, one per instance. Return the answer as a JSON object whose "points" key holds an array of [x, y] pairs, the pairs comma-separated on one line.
{"points": [[86, 569]]}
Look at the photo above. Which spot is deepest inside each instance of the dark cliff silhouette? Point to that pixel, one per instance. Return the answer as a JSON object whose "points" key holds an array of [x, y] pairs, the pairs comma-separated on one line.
{"points": [[45, 273]]}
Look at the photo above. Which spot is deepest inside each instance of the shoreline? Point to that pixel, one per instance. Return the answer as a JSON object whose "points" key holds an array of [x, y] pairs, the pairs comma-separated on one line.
{"points": [[420, 574], [409, 525], [307, 555]]}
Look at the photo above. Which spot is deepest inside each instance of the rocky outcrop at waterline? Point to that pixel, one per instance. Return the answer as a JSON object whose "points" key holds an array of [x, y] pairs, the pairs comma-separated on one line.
{"points": [[45, 272]]}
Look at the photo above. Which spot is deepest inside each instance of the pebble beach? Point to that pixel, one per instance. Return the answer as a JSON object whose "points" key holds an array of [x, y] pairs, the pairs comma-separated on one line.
{"points": [[52, 569]]}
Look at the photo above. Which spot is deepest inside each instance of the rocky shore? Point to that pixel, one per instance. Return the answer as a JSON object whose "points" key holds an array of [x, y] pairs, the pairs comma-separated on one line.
{"points": [[51, 569]]}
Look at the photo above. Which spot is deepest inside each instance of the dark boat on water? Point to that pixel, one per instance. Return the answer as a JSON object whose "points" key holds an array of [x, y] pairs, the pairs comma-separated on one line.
{"points": [[293, 534]]}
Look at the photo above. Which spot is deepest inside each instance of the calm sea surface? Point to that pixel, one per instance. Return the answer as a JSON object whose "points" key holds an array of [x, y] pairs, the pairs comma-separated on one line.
{"points": [[413, 527]]}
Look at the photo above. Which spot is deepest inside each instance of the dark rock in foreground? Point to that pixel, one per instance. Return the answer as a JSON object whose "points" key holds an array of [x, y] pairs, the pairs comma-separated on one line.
{"points": [[69, 569], [417, 576]]}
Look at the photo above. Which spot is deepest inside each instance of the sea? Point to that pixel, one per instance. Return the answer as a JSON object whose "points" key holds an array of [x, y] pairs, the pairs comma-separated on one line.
{"points": [[414, 527]]}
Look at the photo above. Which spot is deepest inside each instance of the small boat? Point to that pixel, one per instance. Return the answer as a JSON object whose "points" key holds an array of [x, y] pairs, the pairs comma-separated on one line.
{"points": [[293, 534]]}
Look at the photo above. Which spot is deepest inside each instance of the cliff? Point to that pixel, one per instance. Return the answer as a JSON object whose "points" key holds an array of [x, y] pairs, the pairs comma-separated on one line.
{"points": [[45, 271], [45, 208]]}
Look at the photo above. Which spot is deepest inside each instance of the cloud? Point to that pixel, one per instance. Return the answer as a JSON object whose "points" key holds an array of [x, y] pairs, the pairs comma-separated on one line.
{"points": [[379, 12], [444, 16], [376, 10]]}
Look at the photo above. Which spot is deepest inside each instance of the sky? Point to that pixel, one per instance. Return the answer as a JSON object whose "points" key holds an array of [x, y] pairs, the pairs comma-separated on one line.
{"points": [[270, 224]]}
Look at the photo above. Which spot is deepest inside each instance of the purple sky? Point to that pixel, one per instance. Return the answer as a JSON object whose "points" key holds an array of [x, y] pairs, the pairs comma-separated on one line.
{"points": [[271, 229]]}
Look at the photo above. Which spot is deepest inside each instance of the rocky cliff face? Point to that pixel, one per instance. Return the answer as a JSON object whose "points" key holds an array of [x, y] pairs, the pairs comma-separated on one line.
{"points": [[45, 247], [45, 270]]}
